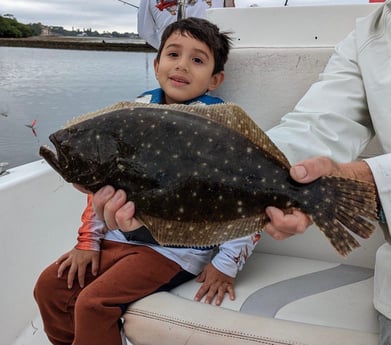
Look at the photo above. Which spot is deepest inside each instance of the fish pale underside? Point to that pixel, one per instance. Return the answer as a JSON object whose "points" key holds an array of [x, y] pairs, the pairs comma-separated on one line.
{"points": [[203, 175]]}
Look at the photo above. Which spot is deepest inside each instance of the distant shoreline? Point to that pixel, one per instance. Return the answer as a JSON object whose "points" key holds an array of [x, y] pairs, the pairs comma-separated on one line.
{"points": [[76, 43]]}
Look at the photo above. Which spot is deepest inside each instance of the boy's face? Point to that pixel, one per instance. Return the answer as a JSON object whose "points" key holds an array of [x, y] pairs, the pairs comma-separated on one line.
{"points": [[185, 69]]}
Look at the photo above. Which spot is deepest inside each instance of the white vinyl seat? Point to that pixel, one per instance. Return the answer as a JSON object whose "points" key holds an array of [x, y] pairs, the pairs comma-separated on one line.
{"points": [[279, 300]]}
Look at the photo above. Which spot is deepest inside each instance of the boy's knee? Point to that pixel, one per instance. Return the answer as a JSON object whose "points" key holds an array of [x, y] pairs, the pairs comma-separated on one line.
{"points": [[44, 286], [87, 304]]}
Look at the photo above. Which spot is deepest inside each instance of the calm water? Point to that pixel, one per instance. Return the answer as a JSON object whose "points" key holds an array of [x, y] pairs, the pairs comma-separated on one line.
{"points": [[52, 86]]}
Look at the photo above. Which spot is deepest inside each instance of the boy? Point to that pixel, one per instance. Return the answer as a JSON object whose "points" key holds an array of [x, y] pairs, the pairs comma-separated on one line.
{"points": [[128, 265]]}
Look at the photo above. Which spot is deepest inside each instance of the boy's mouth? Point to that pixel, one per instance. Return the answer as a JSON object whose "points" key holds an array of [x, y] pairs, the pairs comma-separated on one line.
{"points": [[179, 80]]}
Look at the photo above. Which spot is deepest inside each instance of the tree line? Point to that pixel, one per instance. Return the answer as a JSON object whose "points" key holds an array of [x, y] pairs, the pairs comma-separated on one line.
{"points": [[11, 28]]}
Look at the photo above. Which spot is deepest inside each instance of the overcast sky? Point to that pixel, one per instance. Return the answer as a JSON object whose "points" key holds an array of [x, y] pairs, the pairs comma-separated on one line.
{"points": [[100, 15]]}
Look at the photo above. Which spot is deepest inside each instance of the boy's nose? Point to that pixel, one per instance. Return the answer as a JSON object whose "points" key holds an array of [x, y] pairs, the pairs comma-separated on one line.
{"points": [[182, 65]]}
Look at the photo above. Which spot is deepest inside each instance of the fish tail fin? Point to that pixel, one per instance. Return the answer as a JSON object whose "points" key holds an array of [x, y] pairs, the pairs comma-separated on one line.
{"points": [[346, 206]]}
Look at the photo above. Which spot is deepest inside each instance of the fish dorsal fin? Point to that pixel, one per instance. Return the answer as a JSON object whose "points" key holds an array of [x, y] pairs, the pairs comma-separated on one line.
{"points": [[234, 117], [229, 115], [91, 115]]}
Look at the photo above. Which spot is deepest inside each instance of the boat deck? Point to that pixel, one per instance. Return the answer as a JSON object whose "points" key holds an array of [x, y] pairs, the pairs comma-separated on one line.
{"points": [[35, 335]]}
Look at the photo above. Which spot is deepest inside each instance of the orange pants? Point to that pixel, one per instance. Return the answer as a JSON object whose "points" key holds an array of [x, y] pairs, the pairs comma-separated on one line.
{"points": [[90, 316]]}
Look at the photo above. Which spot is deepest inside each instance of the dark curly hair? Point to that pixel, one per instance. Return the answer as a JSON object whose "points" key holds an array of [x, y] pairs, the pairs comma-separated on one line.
{"points": [[205, 31]]}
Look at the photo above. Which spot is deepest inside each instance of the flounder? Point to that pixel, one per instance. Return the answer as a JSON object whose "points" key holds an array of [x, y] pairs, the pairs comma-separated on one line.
{"points": [[202, 175]]}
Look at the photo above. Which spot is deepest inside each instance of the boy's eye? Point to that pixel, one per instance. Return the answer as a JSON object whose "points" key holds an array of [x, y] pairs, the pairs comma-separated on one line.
{"points": [[173, 54], [197, 60]]}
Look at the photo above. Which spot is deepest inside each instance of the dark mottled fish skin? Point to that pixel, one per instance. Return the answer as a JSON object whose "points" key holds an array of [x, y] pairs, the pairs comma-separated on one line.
{"points": [[202, 175]]}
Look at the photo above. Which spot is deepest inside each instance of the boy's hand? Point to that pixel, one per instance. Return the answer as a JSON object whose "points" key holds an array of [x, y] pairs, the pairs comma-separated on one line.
{"points": [[77, 260], [112, 206], [215, 284]]}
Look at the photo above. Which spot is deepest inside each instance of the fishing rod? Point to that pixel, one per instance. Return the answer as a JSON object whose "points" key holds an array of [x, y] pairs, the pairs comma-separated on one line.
{"points": [[128, 3]]}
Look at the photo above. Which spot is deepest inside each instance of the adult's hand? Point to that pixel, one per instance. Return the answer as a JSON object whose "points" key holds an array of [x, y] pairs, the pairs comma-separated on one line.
{"points": [[112, 207], [282, 225]]}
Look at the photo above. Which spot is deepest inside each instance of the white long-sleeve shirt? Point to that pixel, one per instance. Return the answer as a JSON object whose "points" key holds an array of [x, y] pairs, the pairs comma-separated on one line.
{"points": [[341, 112]]}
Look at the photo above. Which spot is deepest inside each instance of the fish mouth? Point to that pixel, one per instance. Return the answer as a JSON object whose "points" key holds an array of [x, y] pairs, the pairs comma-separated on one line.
{"points": [[51, 157], [61, 164]]}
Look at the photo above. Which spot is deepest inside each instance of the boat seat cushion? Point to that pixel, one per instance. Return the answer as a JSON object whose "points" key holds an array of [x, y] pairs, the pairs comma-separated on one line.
{"points": [[279, 300]]}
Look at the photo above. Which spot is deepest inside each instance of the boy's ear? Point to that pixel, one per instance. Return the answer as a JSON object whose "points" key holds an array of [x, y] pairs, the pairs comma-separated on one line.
{"points": [[156, 67], [216, 80]]}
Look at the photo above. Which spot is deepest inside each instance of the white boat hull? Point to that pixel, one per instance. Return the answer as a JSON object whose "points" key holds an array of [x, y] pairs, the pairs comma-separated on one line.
{"points": [[275, 60]]}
